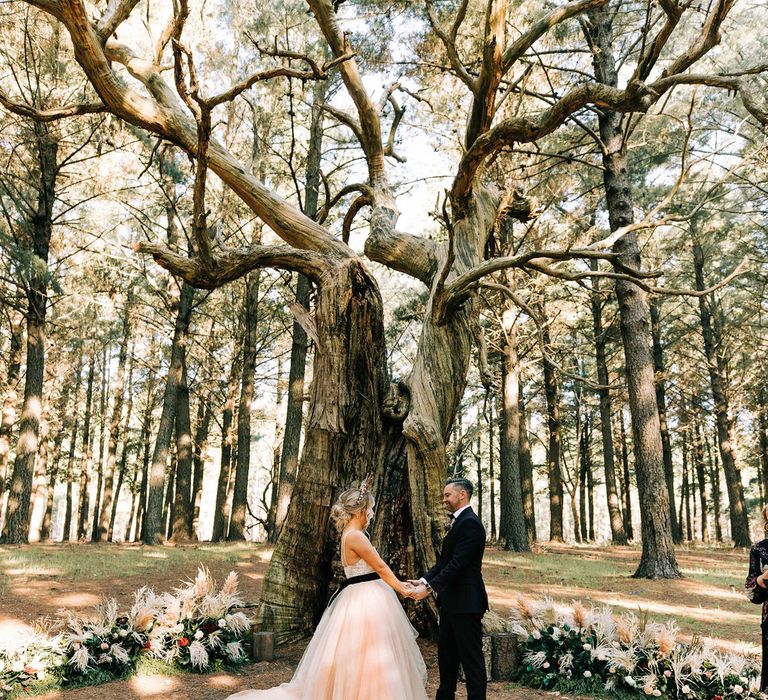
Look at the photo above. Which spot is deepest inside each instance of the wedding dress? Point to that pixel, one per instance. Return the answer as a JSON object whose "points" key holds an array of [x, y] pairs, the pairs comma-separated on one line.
{"points": [[363, 649]]}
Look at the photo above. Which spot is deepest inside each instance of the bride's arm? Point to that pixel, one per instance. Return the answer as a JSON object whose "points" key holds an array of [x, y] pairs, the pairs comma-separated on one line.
{"points": [[361, 546]]}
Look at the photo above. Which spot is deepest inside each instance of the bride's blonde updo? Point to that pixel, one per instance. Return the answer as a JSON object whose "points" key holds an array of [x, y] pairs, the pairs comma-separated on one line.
{"points": [[350, 503]]}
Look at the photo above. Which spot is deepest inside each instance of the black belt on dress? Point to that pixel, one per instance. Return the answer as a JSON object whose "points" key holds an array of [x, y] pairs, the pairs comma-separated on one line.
{"points": [[362, 578]]}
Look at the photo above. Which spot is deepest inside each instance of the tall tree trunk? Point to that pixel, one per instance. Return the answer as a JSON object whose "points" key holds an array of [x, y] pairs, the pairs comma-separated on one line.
{"points": [[513, 517], [168, 502], [39, 231], [182, 507], [121, 467], [105, 381], [146, 444], [492, 471], [714, 478], [8, 417], [526, 473], [618, 534], [626, 492], [271, 527], [153, 526], [713, 350], [687, 488], [762, 432], [85, 461], [202, 431], [552, 393], [698, 460], [220, 521], [661, 403], [102, 533], [40, 486], [583, 479], [479, 469], [658, 557], [289, 455], [237, 529], [66, 535]]}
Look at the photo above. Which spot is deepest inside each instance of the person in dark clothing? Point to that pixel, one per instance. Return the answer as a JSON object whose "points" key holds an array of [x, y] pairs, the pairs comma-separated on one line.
{"points": [[457, 581], [756, 587]]}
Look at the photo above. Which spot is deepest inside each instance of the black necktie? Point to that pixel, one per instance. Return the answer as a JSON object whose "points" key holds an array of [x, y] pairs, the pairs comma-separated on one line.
{"points": [[452, 521]]}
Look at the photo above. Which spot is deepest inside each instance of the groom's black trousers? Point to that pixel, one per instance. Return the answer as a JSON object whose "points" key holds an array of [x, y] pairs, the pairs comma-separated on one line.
{"points": [[460, 640]]}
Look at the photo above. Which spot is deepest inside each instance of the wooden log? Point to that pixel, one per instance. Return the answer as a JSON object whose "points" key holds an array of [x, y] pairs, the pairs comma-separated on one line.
{"points": [[262, 646], [505, 656]]}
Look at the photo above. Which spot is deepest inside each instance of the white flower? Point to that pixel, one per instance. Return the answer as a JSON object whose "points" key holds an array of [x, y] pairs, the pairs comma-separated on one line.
{"points": [[656, 693], [198, 655], [120, 654], [630, 681], [737, 689], [545, 664], [536, 634], [177, 629], [80, 659], [555, 633], [199, 634], [686, 689], [667, 673], [123, 633], [587, 674], [104, 646], [222, 623], [587, 647], [235, 651]]}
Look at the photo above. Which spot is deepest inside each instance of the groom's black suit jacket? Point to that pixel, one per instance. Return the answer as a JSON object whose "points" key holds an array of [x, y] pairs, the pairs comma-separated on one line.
{"points": [[457, 577]]}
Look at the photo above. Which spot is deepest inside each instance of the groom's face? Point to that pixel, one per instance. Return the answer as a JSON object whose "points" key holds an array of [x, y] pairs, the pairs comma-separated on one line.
{"points": [[454, 498]]}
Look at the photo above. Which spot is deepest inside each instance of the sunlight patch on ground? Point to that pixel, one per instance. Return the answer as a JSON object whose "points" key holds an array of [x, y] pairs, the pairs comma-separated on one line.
{"points": [[222, 681], [34, 571], [72, 600], [153, 686], [11, 631], [155, 555]]}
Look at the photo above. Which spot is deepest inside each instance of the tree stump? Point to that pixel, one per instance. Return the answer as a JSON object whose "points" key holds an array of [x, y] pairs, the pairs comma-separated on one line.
{"points": [[262, 646], [504, 656], [487, 649]]}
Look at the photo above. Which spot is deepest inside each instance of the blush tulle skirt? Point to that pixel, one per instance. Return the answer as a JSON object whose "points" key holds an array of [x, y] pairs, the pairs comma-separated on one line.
{"points": [[363, 649]]}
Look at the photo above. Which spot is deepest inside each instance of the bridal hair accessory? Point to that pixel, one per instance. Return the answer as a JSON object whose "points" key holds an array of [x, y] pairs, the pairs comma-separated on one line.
{"points": [[364, 485]]}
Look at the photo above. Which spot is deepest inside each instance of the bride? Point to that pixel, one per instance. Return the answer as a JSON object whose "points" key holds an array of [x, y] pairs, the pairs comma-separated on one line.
{"points": [[364, 647]]}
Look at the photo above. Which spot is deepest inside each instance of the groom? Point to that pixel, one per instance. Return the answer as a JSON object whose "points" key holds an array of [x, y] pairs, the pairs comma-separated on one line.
{"points": [[458, 582]]}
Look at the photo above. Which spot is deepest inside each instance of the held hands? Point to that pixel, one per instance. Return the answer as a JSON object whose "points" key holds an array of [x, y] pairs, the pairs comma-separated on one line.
{"points": [[415, 590]]}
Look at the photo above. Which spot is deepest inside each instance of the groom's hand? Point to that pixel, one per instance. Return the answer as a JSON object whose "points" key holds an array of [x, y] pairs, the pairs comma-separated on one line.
{"points": [[414, 582], [419, 592]]}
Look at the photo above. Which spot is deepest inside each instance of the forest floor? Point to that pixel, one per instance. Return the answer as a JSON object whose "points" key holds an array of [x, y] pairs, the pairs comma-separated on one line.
{"points": [[41, 580]]}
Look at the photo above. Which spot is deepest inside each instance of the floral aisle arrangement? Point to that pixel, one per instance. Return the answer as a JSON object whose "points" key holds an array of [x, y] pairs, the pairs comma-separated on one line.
{"points": [[194, 628], [590, 648]]}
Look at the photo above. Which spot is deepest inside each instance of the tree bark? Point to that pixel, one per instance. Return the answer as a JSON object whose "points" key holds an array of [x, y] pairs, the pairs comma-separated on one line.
{"points": [[554, 470], [40, 228], [526, 473], [123, 459], [182, 506], [146, 444], [202, 432], [220, 522], [271, 526], [719, 384], [153, 529], [762, 430], [513, 517], [102, 533], [658, 557], [661, 403], [698, 460], [618, 534], [237, 528], [105, 381], [85, 461], [8, 418], [492, 472]]}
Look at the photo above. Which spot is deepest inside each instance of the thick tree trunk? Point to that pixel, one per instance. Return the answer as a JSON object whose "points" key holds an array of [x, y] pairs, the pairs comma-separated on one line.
{"points": [[85, 461], [658, 556], [182, 507], [40, 486], [554, 470], [114, 424], [714, 480], [17, 511], [343, 441], [618, 534], [661, 403], [237, 529], [153, 526], [513, 517], [719, 385]]}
